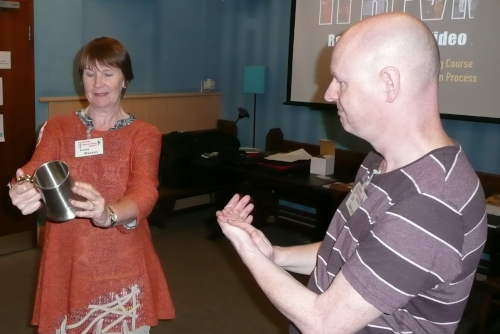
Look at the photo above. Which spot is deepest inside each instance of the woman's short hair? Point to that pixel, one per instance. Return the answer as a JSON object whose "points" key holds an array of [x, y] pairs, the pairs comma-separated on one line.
{"points": [[106, 51]]}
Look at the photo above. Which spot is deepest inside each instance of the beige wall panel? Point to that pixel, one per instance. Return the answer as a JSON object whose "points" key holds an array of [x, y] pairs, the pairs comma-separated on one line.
{"points": [[168, 112]]}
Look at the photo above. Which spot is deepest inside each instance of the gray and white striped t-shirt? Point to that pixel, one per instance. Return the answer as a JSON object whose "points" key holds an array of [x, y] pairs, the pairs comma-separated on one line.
{"points": [[412, 247]]}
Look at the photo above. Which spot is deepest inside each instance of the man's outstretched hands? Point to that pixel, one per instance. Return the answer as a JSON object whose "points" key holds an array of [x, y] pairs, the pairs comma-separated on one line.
{"points": [[236, 210], [235, 221]]}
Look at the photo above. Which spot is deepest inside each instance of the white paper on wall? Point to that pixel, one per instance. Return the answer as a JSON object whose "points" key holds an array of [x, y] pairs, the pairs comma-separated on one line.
{"points": [[2, 137], [1, 91], [5, 63]]}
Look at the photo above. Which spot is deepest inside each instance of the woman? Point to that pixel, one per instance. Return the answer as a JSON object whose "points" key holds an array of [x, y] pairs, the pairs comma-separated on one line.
{"points": [[99, 272]]}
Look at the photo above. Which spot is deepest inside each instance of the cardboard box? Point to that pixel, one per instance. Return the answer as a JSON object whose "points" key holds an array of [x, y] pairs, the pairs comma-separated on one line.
{"points": [[324, 163], [493, 205]]}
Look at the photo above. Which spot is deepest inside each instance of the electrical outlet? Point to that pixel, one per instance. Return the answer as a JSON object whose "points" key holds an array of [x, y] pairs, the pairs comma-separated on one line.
{"points": [[208, 84]]}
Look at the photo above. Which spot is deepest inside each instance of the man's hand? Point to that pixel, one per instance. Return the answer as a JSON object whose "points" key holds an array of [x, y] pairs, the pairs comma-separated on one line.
{"points": [[235, 218], [236, 210]]}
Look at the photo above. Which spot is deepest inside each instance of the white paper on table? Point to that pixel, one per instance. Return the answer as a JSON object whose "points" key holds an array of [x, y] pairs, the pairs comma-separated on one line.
{"points": [[300, 154], [5, 62], [2, 137], [493, 209], [1, 91]]}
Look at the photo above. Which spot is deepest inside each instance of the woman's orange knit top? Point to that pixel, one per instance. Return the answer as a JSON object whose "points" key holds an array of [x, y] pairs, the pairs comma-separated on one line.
{"points": [[82, 264]]}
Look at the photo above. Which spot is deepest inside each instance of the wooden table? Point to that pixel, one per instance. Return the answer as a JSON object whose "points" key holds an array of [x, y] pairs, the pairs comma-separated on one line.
{"points": [[293, 198]]}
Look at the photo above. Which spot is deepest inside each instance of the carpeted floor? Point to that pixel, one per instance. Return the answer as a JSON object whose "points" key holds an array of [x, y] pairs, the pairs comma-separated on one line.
{"points": [[212, 290]]}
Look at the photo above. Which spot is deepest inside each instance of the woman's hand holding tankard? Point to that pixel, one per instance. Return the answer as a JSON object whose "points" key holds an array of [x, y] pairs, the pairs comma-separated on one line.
{"points": [[94, 207], [24, 195]]}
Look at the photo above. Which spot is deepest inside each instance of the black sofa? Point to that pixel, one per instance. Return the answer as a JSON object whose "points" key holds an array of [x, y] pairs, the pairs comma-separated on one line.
{"points": [[189, 166]]}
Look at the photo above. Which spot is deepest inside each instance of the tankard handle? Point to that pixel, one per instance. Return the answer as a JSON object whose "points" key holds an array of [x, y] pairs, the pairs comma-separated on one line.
{"points": [[20, 179], [25, 177]]}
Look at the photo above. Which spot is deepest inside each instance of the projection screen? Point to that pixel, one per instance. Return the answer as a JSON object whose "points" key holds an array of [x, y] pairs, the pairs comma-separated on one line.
{"points": [[467, 32]]}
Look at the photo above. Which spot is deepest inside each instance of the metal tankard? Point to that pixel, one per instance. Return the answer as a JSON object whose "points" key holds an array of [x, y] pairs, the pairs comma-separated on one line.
{"points": [[54, 183]]}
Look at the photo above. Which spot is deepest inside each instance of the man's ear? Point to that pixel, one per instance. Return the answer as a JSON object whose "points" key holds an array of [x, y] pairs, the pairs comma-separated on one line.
{"points": [[391, 81]]}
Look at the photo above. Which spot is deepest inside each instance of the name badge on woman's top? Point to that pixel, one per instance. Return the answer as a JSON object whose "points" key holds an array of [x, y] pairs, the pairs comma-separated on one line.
{"points": [[357, 197], [88, 147]]}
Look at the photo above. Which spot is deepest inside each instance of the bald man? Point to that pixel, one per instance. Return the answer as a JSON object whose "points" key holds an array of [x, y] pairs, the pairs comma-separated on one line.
{"points": [[401, 251]]}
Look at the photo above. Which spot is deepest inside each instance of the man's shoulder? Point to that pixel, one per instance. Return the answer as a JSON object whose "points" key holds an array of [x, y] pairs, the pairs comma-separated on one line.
{"points": [[445, 173], [441, 178], [445, 184]]}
